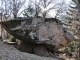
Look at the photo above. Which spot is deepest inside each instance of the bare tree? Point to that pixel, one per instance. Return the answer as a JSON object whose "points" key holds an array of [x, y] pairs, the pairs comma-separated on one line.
{"points": [[12, 7], [29, 11], [43, 7]]}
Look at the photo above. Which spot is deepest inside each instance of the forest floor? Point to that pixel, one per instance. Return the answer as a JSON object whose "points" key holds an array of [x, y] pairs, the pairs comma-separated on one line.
{"points": [[9, 52]]}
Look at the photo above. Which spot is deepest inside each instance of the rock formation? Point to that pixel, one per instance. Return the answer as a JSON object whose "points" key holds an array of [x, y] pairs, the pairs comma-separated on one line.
{"points": [[37, 31]]}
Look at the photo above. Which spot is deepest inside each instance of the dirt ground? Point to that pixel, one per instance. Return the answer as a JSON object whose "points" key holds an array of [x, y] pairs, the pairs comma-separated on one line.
{"points": [[66, 57], [9, 52]]}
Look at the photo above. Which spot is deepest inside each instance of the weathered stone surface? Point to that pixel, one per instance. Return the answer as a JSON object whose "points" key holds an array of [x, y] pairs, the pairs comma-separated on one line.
{"points": [[25, 47], [37, 20], [41, 51], [51, 33], [69, 37]]}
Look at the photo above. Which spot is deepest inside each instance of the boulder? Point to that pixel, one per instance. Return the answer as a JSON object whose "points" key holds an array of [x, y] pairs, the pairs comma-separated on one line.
{"points": [[49, 32], [41, 51]]}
